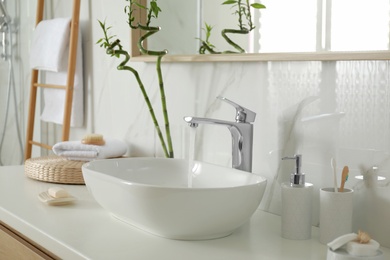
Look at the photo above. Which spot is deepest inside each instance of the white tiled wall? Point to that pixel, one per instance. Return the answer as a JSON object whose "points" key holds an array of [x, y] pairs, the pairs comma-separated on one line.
{"points": [[283, 94]]}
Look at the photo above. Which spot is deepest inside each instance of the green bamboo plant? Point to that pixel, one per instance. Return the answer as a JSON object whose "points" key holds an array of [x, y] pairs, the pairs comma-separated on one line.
{"points": [[245, 25], [115, 49]]}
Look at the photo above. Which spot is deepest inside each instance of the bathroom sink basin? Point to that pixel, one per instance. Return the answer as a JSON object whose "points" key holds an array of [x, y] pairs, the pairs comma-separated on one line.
{"points": [[157, 195]]}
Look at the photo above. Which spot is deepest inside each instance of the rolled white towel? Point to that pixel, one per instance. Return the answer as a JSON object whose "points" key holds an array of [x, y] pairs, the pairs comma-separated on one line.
{"points": [[77, 151]]}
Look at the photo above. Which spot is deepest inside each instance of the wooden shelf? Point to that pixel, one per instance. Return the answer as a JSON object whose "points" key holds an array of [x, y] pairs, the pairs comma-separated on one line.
{"points": [[294, 56]]}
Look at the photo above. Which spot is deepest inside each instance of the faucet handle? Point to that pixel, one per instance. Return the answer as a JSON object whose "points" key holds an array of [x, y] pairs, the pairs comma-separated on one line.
{"points": [[243, 115]]}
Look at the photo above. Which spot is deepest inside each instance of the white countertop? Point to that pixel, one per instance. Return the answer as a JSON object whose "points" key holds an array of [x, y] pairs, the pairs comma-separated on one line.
{"points": [[84, 230]]}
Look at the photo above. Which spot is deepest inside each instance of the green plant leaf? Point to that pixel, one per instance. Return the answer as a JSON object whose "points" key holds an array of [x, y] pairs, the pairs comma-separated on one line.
{"points": [[258, 6], [230, 2], [102, 25], [155, 8], [208, 27]]}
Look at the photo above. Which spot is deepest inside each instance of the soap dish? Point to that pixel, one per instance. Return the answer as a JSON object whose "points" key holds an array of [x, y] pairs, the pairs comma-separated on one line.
{"points": [[46, 198]]}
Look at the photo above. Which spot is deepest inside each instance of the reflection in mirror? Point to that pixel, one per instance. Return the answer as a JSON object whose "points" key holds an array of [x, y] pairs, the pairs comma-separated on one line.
{"points": [[182, 26], [179, 22], [284, 26]]}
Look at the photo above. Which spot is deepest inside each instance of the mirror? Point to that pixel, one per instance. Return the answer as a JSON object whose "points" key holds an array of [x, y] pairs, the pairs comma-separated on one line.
{"points": [[182, 26], [323, 26]]}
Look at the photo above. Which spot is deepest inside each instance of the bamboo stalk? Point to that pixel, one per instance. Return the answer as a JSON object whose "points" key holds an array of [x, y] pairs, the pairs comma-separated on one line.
{"points": [[122, 66], [224, 33], [115, 49], [164, 107]]}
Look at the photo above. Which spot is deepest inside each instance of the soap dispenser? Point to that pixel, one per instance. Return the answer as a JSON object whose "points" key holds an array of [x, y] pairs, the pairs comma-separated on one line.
{"points": [[296, 204]]}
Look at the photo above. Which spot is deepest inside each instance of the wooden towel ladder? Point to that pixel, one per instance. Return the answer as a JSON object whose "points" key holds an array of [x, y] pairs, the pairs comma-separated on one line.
{"points": [[74, 30]]}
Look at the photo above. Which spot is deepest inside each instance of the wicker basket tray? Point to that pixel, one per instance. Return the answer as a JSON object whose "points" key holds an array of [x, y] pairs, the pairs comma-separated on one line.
{"points": [[54, 169]]}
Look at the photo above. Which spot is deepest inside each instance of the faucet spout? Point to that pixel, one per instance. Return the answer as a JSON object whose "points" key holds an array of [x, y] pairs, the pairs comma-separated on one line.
{"points": [[195, 121], [242, 139]]}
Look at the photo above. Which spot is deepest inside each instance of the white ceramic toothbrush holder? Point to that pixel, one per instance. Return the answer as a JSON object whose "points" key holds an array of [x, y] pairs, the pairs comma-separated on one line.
{"points": [[335, 213]]}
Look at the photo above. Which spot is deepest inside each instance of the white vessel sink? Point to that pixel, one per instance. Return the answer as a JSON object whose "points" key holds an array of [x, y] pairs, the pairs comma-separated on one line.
{"points": [[155, 195]]}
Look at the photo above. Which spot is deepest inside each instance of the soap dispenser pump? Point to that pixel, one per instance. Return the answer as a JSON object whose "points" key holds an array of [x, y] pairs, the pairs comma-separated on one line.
{"points": [[296, 204]]}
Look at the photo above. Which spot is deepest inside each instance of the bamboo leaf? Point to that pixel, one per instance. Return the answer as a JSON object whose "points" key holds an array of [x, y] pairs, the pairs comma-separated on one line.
{"points": [[229, 2], [155, 8], [101, 24], [258, 6]]}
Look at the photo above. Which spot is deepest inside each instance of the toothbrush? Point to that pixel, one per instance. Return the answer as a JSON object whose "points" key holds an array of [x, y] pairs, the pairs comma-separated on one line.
{"points": [[344, 177], [333, 163]]}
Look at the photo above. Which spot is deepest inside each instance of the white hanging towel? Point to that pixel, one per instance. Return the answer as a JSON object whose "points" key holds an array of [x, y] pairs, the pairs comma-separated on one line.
{"points": [[49, 42], [49, 52]]}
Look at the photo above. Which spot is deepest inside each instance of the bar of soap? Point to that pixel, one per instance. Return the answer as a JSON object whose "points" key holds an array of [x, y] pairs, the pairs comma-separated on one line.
{"points": [[357, 249], [58, 192]]}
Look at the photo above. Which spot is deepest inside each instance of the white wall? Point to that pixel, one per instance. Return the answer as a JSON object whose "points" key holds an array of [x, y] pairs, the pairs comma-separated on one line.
{"points": [[275, 91]]}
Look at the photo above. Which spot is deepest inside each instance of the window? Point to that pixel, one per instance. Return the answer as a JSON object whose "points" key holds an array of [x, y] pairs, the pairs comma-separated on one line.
{"points": [[324, 25]]}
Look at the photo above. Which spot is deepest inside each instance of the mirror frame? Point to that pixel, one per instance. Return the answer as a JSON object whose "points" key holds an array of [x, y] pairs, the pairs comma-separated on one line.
{"points": [[280, 56]]}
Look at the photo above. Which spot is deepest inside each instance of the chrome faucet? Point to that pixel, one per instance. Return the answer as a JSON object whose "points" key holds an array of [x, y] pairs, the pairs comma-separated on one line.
{"points": [[241, 131]]}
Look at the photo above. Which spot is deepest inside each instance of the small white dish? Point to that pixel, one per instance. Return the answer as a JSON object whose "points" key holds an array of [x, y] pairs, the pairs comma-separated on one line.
{"points": [[46, 198], [342, 254]]}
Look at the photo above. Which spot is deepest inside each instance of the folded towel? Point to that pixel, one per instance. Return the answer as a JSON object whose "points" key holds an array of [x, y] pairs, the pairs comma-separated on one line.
{"points": [[76, 151], [48, 44], [54, 99]]}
